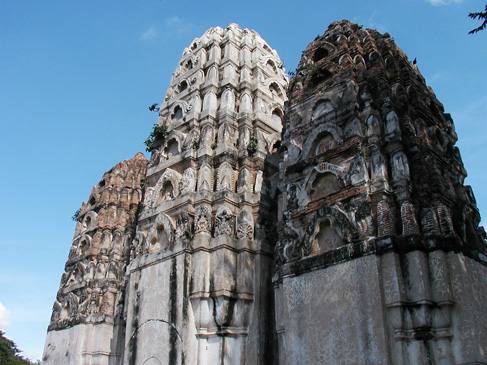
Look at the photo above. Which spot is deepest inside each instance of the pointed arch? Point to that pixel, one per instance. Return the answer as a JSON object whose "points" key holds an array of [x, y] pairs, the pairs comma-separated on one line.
{"points": [[167, 187], [317, 133], [205, 178], [225, 177], [335, 227]]}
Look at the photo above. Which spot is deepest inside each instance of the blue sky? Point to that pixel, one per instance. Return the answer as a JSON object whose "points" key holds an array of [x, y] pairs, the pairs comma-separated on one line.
{"points": [[77, 78]]}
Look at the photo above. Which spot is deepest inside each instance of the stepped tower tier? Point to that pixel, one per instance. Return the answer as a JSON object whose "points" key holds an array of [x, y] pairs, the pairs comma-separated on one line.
{"points": [[379, 246], [87, 324], [200, 275]]}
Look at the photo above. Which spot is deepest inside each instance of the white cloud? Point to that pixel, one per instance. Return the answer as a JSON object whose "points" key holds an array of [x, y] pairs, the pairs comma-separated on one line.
{"points": [[4, 316], [176, 24], [371, 22], [149, 34], [444, 2], [172, 21]]}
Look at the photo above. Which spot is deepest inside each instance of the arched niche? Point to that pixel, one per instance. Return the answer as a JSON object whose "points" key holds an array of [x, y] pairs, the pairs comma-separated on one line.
{"points": [[167, 187], [212, 74], [205, 178], [323, 51], [229, 72], [182, 86], [276, 119], [172, 147], [245, 224], [244, 182], [271, 66], [84, 244], [328, 229], [359, 62], [245, 105], [323, 185], [320, 53], [161, 234], [324, 143], [227, 100], [106, 240], [225, 177], [224, 221], [315, 136], [195, 104], [117, 243], [321, 108], [326, 238], [392, 123], [245, 75], [210, 101], [177, 114], [159, 239], [89, 221], [276, 90]]}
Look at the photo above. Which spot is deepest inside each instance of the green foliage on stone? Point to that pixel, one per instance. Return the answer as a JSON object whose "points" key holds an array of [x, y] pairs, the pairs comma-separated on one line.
{"points": [[253, 143], [195, 144], [76, 217], [9, 353], [159, 133], [481, 15]]}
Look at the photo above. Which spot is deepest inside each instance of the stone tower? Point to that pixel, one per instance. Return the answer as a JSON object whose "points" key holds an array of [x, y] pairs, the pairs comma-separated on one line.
{"points": [[87, 325], [200, 276], [380, 257]]}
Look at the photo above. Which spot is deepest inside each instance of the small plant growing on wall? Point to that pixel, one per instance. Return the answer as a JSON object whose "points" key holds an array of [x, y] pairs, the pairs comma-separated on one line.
{"points": [[76, 217], [252, 146], [158, 133], [195, 144]]}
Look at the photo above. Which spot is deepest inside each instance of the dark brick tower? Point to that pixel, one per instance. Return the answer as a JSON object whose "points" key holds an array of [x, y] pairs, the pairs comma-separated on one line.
{"points": [[379, 247]]}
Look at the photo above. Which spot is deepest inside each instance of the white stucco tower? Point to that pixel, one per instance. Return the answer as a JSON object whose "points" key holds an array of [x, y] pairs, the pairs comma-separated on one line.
{"points": [[199, 287]]}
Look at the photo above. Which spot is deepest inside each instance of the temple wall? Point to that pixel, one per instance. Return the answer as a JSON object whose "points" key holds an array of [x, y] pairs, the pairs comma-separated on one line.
{"points": [[161, 315], [100, 344], [469, 322], [333, 315]]}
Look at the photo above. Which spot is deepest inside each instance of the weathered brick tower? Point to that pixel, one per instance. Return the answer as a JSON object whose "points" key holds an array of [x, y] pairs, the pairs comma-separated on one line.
{"points": [[87, 325], [380, 257], [335, 230]]}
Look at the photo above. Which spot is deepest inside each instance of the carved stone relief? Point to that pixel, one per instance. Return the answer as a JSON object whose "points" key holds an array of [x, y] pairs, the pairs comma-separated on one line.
{"points": [[400, 166], [188, 181], [225, 177], [202, 222], [223, 221], [244, 183], [245, 224], [358, 172]]}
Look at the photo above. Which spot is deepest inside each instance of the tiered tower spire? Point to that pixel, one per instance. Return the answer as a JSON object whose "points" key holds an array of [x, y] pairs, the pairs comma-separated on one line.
{"points": [[200, 278], [376, 228], [87, 324]]}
